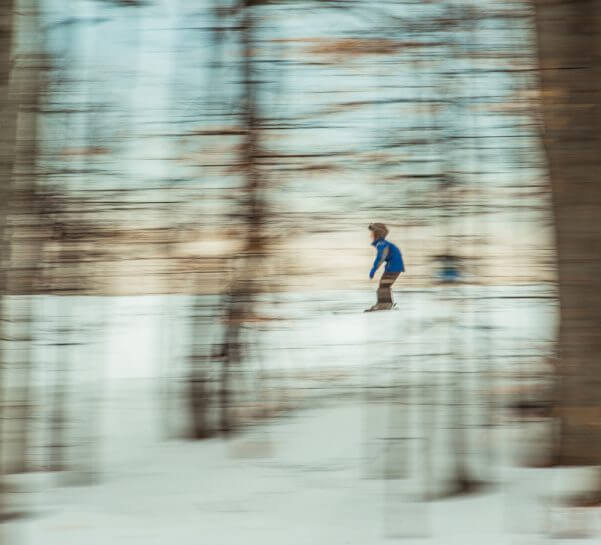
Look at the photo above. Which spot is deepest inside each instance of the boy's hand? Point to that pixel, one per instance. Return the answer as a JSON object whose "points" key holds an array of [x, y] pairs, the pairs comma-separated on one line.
{"points": [[371, 274]]}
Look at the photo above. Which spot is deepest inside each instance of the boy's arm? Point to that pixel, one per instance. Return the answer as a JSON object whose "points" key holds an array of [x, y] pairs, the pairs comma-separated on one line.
{"points": [[380, 258]]}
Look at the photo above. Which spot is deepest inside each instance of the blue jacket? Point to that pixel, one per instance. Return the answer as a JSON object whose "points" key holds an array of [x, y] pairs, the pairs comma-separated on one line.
{"points": [[387, 253]]}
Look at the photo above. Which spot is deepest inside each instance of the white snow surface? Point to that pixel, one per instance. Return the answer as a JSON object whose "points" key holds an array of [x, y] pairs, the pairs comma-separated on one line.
{"points": [[336, 470]]}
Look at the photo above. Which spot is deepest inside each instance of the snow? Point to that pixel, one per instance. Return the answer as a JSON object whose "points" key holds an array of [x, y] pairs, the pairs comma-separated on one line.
{"points": [[308, 489], [345, 470], [315, 330]]}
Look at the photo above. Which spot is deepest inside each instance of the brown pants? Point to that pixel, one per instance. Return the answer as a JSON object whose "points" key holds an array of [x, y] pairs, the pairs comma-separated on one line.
{"points": [[385, 287]]}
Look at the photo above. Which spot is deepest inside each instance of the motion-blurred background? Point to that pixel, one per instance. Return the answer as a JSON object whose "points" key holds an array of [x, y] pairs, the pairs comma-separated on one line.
{"points": [[185, 190]]}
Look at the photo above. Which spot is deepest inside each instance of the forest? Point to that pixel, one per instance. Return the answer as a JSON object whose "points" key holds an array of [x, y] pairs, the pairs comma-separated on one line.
{"points": [[187, 189]]}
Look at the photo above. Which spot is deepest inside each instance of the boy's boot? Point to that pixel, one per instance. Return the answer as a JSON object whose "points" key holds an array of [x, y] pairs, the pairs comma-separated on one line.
{"points": [[380, 306]]}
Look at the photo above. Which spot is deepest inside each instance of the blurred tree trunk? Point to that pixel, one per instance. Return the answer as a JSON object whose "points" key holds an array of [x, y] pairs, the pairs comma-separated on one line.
{"points": [[239, 307], [200, 397], [569, 47], [7, 110], [199, 394], [58, 418], [7, 152], [26, 239]]}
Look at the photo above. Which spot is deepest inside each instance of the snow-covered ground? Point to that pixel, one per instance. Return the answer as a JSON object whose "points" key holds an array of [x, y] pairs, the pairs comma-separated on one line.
{"points": [[142, 336], [350, 469], [299, 480]]}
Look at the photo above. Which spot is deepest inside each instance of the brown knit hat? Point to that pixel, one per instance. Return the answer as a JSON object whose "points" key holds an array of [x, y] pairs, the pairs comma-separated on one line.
{"points": [[379, 229]]}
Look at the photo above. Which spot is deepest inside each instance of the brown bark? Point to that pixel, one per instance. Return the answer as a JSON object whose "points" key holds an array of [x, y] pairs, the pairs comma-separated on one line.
{"points": [[239, 306], [569, 47], [7, 110], [7, 149], [25, 241]]}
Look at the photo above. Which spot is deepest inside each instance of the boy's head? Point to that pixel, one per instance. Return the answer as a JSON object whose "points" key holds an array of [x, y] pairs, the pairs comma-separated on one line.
{"points": [[378, 230]]}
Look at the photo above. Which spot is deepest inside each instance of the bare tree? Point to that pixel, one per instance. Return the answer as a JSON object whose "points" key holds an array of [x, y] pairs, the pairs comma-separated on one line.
{"points": [[8, 120], [240, 298], [26, 216], [569, 47]]}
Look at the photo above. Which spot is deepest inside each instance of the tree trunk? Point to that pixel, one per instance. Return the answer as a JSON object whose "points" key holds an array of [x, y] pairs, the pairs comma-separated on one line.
{"points": [[241, 298], [7, 111], [569, 47], [199, 394], [26, 213], [7, 152]]}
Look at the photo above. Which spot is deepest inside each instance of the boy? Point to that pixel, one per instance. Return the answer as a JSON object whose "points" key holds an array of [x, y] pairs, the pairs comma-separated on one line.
{"points": [[387, 253]]}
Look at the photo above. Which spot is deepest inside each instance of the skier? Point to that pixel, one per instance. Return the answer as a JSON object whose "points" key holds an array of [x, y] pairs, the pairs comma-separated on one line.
{"points": [[390, 254]]}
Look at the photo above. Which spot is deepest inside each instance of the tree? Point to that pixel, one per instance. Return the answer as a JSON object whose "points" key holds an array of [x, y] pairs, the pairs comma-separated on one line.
{"points": [[26, 215], [7, 153], [569, 48], [239, 305]]}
